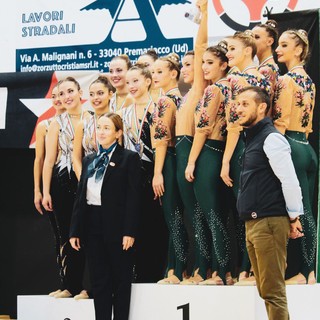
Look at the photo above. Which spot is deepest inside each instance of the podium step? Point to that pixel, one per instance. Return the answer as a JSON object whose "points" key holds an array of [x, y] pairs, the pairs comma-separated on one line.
{"points": [[177, 302]]}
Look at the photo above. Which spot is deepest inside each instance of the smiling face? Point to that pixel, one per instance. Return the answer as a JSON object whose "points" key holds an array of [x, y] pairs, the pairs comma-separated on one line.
{"points": [[287, 49], [99, 96], [70, 95], [118, 69], [138, 84], [250, 112], [236, 53], [213, 68], [56, 101], [106, 132], [262, 39], [187, 69], [162, 75]]}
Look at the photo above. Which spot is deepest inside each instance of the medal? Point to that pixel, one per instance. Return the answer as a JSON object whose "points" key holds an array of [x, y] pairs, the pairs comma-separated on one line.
{"points": [[138, 128], [139, 148]]}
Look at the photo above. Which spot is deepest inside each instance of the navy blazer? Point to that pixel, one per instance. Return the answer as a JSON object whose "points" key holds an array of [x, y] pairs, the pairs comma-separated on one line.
{"points": [[120, 197]]}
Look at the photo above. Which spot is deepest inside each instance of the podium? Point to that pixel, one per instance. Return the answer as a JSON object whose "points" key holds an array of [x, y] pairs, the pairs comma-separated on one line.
{"points": [[179, 302]]}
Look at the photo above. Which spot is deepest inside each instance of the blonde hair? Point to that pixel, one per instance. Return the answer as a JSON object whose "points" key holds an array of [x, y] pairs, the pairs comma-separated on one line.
{"points": [[247, 39], [301, 39]]}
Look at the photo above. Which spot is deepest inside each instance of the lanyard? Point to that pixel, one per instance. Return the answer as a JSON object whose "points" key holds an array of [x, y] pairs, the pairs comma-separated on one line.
{"points": [[71, 124], [220, 80], [265, 60], [121, 104], [138, 128], [171, 90], [296, 67], [95, 139], [248, 68]]}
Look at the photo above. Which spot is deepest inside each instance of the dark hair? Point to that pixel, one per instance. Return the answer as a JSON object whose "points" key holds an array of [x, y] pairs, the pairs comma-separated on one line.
{"points": [[261, 95], [105, 81], [220, 50], [125, 58], [247, 39], [189, 53], [173, 62], [271, 28], [151, 53], [71, 79], [144, 70], [301, 38]]}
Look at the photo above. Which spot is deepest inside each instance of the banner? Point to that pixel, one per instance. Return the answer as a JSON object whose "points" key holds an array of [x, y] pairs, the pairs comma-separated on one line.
{"points": [[86, 35], [226, 16], [41, 35], [25, 100]]}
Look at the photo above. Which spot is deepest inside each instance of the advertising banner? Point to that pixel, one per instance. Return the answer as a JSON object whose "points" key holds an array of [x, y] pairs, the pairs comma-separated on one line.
{"points": [[86, 35], [41, 35]]}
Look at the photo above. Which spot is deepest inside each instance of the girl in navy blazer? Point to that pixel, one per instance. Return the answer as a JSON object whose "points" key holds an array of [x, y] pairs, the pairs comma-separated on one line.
{"points": [[106, 216]]}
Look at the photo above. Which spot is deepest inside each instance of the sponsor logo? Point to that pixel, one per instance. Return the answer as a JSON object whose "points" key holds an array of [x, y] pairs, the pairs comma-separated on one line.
{"points": [[135, 28], [254, 215], [256, 8]]}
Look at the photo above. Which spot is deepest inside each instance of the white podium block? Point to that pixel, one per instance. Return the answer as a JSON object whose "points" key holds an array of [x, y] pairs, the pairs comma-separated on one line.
{"points": [[49, 308], [186, 302], [178, 302]]}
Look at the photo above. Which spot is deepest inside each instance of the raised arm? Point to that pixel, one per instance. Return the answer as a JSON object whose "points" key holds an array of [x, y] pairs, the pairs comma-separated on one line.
{"points": [[201, 45]]}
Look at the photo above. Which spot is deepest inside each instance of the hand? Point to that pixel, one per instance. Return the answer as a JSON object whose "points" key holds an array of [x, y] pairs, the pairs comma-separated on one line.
{"points": [[75, 243], [201, 3], [158, 185], [224, 174], [296, 230], [189, 172], [37, 201], [127, 242], [47, 202]]}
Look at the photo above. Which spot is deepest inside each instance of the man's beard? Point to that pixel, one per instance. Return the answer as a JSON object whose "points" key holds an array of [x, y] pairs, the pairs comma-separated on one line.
{"points": [[250, 121]]}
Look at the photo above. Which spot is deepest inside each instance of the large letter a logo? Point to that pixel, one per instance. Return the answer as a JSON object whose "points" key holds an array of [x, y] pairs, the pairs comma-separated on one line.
{"points": [[134, 20]]}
